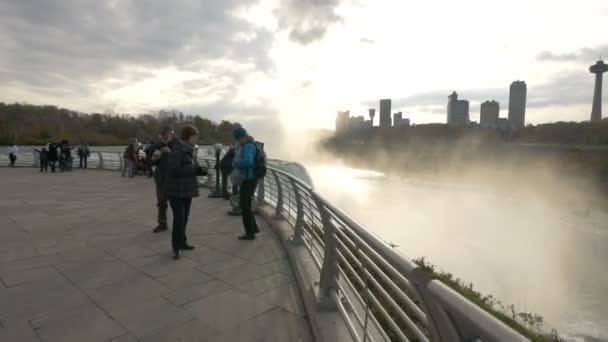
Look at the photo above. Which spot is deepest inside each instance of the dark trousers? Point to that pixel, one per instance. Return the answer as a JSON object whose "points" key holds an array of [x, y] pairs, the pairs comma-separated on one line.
{"points": [[53, 165], [83, 162], [13, 159], [245, 200], [44, 165], [225, 184], [161, 203], [181, 211]]}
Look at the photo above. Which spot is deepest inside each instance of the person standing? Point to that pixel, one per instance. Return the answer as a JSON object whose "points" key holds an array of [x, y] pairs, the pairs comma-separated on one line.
{"points": [[43, 155], [53, 157], [160, 158], [80, 153], [128, 158], [13, 151], [181, 186], [68, 155], [87, 154], [149, 162], [245, 163], [225, 166]]}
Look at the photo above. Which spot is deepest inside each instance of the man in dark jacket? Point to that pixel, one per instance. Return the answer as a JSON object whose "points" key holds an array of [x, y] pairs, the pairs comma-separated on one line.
{"points": [[43, 155], [182, 185], [160, 157], [129, 158], [225, 169], [53, 156]]}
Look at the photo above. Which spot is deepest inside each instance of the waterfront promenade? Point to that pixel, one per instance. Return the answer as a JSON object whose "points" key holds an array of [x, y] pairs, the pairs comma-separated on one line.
{"points": [[79, 262]]}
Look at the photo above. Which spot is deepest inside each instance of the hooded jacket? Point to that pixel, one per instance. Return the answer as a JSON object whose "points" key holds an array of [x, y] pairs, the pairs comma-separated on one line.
{"points": [[181, 179], [246, 161]]}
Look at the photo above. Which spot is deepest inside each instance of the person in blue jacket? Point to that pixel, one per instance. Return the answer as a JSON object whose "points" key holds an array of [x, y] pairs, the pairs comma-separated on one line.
{"points": [[245, 163]]}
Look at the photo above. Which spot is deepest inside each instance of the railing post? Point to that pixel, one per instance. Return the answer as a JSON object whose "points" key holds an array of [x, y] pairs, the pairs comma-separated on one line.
{"points": [[100, 164], [440, 324], [328, 280], [261, 190], [299, 225], [120, 162], [209, 182], [279, 209]]}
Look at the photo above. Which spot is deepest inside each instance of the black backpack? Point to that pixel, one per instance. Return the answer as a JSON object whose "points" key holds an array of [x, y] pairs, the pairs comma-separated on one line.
{"points": [[260, 160]]}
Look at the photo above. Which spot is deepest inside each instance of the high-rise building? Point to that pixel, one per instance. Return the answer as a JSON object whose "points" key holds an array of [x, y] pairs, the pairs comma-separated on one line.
{"points": [[342, 122], [399, 121], [517, 104], [356, 122], [489, 112], [385, 113], [458, 111]]}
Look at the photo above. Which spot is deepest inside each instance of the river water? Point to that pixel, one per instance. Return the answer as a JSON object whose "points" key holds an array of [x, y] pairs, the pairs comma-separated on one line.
{"points": [[526, 251]]}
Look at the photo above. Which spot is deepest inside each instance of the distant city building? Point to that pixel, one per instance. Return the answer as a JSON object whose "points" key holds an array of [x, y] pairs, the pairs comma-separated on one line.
{"points": [[356, 122], [372, 114], [504, 124], [488, 115], [399, 121], [385, 113], [342, 122], [517, 104], [458, 111], [596, 110]]}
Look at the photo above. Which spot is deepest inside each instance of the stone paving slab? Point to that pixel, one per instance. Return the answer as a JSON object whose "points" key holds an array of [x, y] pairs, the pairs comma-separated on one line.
{"points": [[78, 262]]}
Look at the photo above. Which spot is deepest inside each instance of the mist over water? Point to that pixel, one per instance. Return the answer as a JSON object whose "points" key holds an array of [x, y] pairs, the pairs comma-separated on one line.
{"points": [[538, 242], [526, 251]]}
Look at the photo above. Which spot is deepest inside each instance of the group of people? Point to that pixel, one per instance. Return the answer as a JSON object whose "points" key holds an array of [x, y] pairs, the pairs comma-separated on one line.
{"points": [[60, 154], [175, 177], [134, 163]]}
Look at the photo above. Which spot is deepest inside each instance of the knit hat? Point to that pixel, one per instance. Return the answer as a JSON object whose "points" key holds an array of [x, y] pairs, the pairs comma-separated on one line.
{"points": [[239, 132]]}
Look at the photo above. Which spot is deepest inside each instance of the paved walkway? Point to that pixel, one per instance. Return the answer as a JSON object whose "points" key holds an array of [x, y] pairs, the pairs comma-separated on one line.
{"points": [[78, 262]]}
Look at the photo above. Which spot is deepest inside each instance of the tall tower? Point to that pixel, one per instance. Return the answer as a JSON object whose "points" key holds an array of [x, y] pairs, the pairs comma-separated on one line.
{"points": [[452, 99], [372, 113], [385, 113], [488, 115], [517, 104], [596, 110]]}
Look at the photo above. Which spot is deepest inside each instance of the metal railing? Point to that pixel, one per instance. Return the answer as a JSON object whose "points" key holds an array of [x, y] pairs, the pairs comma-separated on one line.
{"points": [[381, 294]]}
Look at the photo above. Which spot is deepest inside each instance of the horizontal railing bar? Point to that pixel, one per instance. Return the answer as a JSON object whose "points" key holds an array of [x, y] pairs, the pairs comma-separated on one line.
{"points": [[456, 303], [349, 324], [346, 280], [412, 306], [394, 306], [394, 272]]}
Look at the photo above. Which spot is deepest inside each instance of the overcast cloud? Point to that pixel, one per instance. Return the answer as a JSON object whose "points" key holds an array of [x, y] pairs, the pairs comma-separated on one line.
{"points": [[307, 20], [236, 59]]}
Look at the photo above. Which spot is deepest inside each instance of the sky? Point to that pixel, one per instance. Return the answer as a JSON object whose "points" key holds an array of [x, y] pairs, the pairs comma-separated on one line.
{"points": [[292, 64]]}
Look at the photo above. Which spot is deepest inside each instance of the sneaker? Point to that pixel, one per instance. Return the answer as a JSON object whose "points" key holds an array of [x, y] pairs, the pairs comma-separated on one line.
{"points": [[176, 255], [246, 237], [159, 228]]}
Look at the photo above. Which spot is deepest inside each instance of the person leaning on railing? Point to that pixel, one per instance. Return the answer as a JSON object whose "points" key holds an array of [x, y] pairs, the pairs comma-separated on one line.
{"points": [[160, 158], [13, 150], [182, 186], [245, 163]]}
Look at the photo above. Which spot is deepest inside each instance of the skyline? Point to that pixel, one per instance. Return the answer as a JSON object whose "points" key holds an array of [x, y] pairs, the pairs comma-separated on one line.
{"points": [[295, 62]]}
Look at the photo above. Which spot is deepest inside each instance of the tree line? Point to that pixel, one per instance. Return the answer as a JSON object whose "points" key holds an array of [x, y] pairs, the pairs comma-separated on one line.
{"points": [[26, 124]]}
